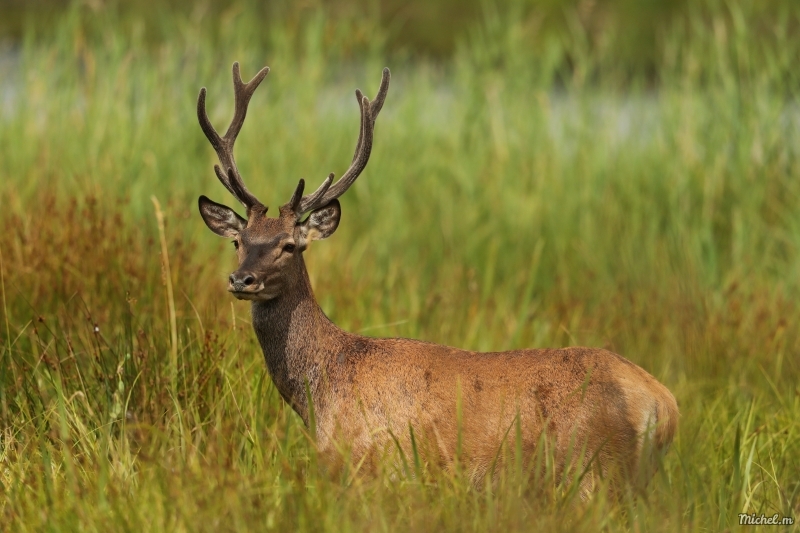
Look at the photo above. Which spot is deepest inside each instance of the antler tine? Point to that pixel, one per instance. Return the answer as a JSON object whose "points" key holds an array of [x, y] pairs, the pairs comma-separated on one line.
{"points": [[369, 112], [298, 193], [228, 174], [375, 106], [310, 201]]}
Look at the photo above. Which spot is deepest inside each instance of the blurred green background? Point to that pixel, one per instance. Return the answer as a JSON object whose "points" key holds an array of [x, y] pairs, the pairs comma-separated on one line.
{"points": [[635, 33], [615, 174]]}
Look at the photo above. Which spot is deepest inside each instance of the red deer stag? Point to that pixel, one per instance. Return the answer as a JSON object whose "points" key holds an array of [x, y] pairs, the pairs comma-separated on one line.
{"points": [[599, 412]]}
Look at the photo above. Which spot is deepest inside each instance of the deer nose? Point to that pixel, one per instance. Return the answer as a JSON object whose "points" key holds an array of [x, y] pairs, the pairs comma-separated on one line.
{"points": [[241, 280]]}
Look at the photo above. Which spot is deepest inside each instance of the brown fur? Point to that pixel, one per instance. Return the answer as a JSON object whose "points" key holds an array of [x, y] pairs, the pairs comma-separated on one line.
{"points": [[367, 391]]}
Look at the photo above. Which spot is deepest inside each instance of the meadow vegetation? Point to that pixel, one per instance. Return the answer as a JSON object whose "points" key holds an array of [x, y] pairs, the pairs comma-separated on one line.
{"points": [[524, 191]]}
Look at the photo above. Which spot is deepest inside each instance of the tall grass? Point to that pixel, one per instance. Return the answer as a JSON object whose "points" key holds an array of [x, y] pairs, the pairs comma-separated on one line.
{"points": [[516, 197]]}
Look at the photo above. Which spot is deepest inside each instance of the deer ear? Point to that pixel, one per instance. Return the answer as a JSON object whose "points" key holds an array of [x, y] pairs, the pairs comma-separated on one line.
{"points": [[221, 219], [320, 224]]}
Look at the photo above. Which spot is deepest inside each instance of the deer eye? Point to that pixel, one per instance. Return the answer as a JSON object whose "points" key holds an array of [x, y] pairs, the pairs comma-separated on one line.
{"points": [[236, 244], [288, 248]]}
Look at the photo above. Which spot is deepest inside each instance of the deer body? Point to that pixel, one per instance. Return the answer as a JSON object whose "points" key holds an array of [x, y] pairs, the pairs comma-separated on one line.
{"points": [[367, 391], [594, 408]]}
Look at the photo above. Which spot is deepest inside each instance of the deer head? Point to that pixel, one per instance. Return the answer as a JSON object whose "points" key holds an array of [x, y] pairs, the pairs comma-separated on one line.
{"points": [[270, 249]]}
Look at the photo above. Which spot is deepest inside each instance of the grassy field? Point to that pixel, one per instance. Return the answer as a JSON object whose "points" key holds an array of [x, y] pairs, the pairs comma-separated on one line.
{"points": [[517, 196]]}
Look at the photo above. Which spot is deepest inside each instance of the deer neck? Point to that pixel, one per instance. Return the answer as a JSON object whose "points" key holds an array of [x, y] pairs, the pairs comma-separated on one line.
{"points": [[297, 340]]}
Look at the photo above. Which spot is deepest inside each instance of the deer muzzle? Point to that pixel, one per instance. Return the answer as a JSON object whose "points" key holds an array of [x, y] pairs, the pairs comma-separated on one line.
{"points": [[242, 282]]}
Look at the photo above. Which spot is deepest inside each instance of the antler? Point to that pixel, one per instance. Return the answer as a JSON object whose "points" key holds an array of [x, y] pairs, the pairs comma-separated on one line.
{"points": [[228, 174], [329, 191]]}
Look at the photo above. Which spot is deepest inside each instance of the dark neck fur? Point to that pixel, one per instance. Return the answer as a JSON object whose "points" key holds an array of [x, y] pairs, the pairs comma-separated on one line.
{"points": [[297, 339]]}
